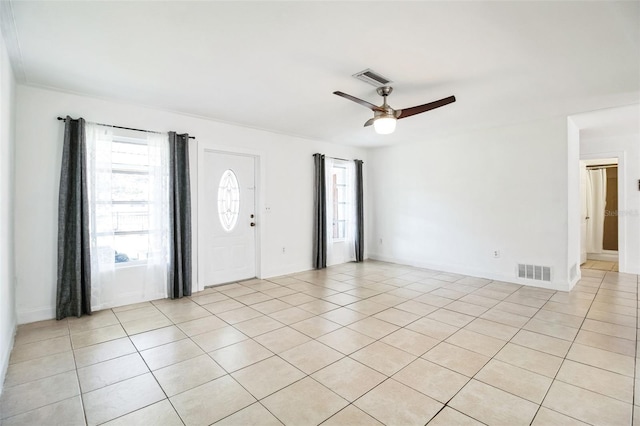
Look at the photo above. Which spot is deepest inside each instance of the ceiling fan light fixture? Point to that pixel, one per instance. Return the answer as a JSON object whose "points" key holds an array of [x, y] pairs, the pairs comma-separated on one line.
{"points": [[384, 117], [384, 125]]}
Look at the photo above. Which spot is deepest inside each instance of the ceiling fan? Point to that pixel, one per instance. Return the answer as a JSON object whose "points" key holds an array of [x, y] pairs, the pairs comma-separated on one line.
{"points": [[384, 117]]}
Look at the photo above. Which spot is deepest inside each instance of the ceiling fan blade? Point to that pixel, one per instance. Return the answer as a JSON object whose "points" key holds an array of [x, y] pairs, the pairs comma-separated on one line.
{"points": [[369, 122], [369, 105], [408, 112]]}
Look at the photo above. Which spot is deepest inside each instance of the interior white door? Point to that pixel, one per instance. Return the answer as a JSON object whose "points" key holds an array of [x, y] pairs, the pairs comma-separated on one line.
{"points": [[228, 218]]}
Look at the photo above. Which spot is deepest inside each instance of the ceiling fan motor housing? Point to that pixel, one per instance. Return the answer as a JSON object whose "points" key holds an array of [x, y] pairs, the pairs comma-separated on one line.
{"points": [[384, 91]]}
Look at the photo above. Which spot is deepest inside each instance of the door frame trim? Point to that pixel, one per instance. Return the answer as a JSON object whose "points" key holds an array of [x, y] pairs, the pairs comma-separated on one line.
{"points": [[259, 175], [622, 201]]}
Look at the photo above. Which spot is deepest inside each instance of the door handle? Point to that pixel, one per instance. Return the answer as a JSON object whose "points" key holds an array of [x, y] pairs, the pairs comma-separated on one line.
{"points": [[253, 224]]}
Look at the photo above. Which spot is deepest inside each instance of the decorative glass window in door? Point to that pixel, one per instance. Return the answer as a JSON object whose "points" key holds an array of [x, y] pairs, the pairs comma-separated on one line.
{"points": [[228, 200]]}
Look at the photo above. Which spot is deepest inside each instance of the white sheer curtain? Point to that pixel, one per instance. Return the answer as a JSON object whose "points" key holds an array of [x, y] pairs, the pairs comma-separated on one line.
{"points": [[101, 232], [155, 280], [328, 176], [139, 280], [596, 204], [341, 212]]}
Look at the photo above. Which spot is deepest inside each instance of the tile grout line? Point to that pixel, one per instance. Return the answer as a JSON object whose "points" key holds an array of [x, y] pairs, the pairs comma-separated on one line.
{"points": [[489, 360], [347, 356], [347, 326], [405, 326], [75, 363], [420, 357], [553, 380], [588, 365]]}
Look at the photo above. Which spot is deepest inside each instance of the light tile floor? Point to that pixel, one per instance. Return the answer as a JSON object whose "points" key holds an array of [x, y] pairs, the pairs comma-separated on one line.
{"points": [[601, 265], [370, 343]]}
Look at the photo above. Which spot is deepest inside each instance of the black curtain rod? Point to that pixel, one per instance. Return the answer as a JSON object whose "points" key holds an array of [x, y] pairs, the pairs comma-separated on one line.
{"points": [[125, 128], [337, 158]]}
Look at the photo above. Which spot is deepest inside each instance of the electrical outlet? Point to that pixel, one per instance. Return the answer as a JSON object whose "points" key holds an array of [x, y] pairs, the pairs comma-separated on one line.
{"points": [[380, 240], [495, 254], [284, 250]]}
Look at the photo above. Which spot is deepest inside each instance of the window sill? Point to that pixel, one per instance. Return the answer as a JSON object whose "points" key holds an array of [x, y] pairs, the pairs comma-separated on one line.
{"points": [[130, 264]]}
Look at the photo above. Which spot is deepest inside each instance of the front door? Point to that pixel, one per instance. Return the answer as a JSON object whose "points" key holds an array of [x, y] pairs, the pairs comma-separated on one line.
{"points": [[227, 218]]}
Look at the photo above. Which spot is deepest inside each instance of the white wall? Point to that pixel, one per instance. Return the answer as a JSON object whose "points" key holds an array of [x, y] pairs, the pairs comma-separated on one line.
{"points": [[626, 147], [287, 196], [574, 210], [448, 203], [7, 178]]}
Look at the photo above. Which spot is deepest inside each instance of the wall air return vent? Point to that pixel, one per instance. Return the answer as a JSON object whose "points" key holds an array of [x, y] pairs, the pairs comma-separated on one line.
{"points": [[372, 77], [534, 272]]}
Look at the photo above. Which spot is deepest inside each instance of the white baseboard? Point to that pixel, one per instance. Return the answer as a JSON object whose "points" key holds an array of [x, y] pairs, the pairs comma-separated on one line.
{"points": [[42, 314], [33, 315], [605, 256], [4, 357], [129, 299], [457, 269], [287, 270]]}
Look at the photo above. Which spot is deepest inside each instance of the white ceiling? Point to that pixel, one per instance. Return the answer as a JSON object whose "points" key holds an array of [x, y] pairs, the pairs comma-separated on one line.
{"points": [[274, 65]]}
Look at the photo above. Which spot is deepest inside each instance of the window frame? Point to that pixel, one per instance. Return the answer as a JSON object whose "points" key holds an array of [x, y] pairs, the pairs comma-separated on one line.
{"points": [[336, 202], [121, 168]]}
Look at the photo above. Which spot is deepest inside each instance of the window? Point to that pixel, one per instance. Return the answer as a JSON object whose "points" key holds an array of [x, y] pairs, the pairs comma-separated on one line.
{"points": [[129, 214], [339, 201], [123, 219], [228, 200], [340, 210]]}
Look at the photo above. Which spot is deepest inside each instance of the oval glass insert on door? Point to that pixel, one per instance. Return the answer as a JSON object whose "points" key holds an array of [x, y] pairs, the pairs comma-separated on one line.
{"points": [[228, 200]]}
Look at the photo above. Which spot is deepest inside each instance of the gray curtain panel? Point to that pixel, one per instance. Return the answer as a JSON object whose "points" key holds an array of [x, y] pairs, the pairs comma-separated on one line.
{"points": [[74, 261], [319, 214], [359, 234], [179, 216]]}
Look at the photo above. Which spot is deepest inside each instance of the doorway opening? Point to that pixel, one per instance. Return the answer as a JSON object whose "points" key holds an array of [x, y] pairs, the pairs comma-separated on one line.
{"points": [[599, 200]]}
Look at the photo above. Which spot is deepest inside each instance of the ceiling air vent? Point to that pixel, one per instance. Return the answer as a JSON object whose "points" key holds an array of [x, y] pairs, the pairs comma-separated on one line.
{"points": [[372, 77], [534, 272]]}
